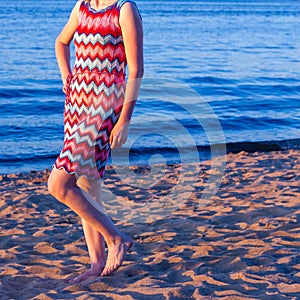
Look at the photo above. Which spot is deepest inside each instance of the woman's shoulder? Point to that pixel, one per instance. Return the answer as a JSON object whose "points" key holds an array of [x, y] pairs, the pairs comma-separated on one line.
{"points": [[120, 3], [131, 8]]}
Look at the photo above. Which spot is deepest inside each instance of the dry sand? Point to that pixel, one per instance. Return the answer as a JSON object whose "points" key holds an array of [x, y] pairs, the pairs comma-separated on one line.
{"points": [[243, 244]]}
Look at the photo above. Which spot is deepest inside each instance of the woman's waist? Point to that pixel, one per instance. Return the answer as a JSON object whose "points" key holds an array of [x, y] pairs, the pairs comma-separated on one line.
{"points": [[105, 66], [96, 71]]}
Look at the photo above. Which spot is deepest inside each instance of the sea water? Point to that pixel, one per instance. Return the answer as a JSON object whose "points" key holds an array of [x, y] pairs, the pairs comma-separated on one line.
{"points": [[216, 72]]}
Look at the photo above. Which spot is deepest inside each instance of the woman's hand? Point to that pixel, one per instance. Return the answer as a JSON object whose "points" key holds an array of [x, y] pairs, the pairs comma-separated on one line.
{"points": [[118, 135], [66, 83]]}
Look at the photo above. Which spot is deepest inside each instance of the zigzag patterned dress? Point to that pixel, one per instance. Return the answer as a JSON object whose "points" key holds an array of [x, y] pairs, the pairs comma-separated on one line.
{"points": [[95, 92]]}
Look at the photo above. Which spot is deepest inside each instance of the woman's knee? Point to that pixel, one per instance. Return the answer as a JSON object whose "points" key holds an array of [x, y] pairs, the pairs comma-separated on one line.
{"points": [[53, 186], [57, 187]]}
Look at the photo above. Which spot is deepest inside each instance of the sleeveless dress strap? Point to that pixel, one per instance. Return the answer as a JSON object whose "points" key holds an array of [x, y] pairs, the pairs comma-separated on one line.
{"points": [[120, 3]]}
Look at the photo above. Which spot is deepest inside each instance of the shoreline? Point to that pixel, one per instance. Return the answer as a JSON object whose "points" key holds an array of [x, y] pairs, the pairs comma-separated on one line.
{"points": [[241, 244], [141, 155]]}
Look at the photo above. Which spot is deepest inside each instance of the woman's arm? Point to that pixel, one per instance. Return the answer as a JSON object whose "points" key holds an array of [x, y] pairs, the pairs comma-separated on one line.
{"points": [[62, 43], [132, 32]]}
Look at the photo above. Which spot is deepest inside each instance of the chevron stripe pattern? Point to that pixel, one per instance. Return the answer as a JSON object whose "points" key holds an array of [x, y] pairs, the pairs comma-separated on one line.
{"points": [[95, 93]]}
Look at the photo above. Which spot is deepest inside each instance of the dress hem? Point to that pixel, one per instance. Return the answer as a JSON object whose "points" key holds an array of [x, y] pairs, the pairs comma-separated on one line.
{"points": [[75, 173]]}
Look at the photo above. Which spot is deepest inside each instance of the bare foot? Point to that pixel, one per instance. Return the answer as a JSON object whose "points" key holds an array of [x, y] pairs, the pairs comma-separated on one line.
{"points": [[116, 254], [95, 270]]}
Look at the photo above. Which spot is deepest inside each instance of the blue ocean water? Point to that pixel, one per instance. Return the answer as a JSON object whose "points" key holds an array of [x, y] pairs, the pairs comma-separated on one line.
{"points": [[234, 64]]}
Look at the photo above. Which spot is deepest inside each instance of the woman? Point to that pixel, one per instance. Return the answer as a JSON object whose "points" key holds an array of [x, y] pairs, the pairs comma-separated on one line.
{"points": [[108, 36]]}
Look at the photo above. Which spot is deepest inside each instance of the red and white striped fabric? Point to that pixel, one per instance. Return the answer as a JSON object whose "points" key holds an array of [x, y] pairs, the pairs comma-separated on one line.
{"points": [[96, 91]]}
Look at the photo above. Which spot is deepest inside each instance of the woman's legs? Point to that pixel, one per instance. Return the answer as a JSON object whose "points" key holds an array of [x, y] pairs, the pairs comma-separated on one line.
{"points": [[63, 187], [94, 240], [96, 247]]}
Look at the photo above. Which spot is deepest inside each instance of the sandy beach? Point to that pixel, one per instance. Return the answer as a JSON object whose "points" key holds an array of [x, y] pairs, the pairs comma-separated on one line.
{"points": [[241, 244]]}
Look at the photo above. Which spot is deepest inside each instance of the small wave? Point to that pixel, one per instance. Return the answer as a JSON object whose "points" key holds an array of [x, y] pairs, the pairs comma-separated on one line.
{"points": [[30, 107], [262, 86], [12, 159], [212, 80], [13, 93], [264, 146], [144, 155], [233, 147]]}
